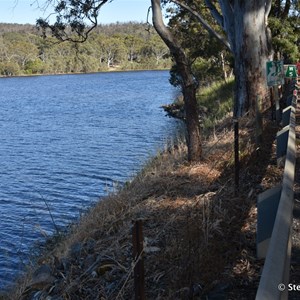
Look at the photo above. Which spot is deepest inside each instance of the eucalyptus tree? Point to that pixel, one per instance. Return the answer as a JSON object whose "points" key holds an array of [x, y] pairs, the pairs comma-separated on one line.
{"points": [[245, 33], [157, 48], [24, 52], [18, 48], [113, 49], [187, 82], [133, 44]]}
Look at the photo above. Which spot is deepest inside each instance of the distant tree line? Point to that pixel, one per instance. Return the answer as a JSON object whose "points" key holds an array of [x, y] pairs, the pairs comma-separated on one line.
{"points": [[120, 46]]}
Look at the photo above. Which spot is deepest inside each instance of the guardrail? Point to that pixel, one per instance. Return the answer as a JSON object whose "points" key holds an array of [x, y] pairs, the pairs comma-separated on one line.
{"points": [[275, 215]]}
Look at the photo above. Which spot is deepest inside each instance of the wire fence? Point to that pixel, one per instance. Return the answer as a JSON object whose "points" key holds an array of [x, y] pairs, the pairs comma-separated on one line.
{"points": [[207, 202]]}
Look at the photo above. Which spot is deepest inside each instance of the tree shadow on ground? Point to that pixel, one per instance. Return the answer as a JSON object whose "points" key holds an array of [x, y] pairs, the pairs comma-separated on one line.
{"points": [[209, 245], [199, 237]]}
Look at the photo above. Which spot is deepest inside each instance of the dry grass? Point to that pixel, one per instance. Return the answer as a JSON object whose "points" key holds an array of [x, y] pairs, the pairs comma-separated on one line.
{"points": [[199, 238]]}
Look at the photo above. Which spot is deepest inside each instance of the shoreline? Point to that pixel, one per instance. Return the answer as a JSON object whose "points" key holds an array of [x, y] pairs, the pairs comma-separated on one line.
{"points": [[180, 204], [112, 70], [95, 170]]}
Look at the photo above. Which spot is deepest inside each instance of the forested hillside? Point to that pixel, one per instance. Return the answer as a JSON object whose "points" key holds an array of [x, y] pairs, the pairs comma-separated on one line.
{"points": [[122, 46]]}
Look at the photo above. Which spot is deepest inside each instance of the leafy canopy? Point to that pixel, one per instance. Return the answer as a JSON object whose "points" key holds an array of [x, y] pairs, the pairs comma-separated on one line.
{"points": [[74, 19]]}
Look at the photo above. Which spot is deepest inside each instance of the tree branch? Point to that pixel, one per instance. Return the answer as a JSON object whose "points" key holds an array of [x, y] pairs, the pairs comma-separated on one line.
{"points": [[213, 10], [268, 9], [228, 15], [73, 13], [160, 26], [204, 23]]}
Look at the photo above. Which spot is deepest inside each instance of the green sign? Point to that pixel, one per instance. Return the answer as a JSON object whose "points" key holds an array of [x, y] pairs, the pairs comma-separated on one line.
{"points": [[291, 71], [274, 73]]}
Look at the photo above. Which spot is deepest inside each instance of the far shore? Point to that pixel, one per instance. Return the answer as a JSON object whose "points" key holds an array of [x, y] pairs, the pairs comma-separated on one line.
{"points": [[110, 70]]}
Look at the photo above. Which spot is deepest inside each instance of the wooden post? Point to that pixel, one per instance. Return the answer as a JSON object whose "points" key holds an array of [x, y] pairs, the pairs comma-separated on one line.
{"points": [[236, 157], [139, 275]]}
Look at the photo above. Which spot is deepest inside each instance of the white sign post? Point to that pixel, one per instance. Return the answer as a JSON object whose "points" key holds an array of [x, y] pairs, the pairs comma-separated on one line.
{"points": [[275, 73], [275, 77]]}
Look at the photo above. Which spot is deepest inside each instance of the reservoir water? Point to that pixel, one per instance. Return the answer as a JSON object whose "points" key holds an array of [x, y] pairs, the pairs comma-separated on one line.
{"points": [[64, 141]]}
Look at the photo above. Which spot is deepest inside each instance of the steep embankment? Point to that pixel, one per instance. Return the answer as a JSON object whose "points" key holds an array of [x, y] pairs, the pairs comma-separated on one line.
{"points": [[199, 238]]}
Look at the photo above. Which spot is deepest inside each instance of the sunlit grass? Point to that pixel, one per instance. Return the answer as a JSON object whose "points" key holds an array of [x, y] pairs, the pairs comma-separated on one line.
{"points": [[217, 101]]}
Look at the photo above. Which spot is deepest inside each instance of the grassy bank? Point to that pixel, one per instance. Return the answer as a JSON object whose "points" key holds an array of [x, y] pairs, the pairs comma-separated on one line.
{"points": [[199, 238], [214, 103]]}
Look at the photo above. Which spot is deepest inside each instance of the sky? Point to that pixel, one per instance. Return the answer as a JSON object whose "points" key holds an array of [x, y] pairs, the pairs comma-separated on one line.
{"points": [[27, 12]]}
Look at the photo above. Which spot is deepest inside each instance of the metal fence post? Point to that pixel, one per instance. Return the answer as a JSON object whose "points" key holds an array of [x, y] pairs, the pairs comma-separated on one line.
{"points": [[139, 275], [236, 157]]}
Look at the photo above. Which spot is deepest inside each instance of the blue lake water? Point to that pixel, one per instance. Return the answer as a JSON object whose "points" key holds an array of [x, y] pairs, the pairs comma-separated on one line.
{"points": [[64, 141]]}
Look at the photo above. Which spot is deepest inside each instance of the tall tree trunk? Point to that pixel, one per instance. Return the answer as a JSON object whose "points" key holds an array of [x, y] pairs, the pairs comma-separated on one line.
{"points": [[250, 53], [192, 123], [188, 83], [245, 24]]}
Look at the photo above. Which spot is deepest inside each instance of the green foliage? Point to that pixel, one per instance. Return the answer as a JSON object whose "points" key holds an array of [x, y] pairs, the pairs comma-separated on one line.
{"points": [[207, 70], [217, 97], [208, 58], [9, 68], [285, 37], [71, 19], [285, 27], [123, 46], [35, 67]]}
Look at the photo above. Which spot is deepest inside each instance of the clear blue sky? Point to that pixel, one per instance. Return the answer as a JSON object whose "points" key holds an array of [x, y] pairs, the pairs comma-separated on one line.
{"points": [[26, 11]]}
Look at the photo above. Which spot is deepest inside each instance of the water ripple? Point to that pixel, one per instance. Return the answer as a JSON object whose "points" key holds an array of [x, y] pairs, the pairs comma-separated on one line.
{"points": [[65, 140]]}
